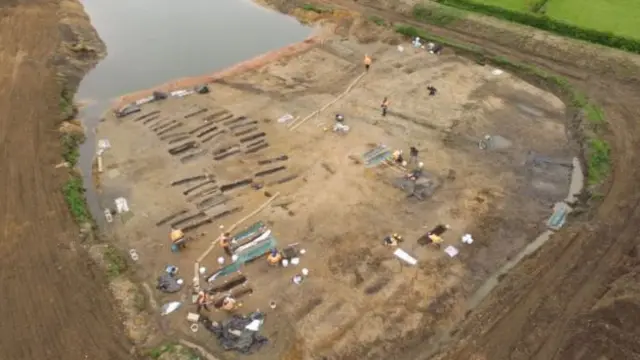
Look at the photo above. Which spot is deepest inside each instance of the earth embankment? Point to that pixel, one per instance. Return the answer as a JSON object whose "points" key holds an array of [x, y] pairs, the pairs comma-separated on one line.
{"points": [[55, 303]]}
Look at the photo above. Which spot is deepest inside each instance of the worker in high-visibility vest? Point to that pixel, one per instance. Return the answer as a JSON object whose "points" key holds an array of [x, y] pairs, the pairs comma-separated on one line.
{"points": [[177, 238], [367, 62]]}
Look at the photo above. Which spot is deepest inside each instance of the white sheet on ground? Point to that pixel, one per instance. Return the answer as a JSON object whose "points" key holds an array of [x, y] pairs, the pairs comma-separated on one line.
{"points": [[404, 256], [451, 251]]}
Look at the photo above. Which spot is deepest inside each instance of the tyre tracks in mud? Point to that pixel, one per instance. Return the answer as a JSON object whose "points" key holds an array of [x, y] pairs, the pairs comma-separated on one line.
{"points": [[535, 319]]}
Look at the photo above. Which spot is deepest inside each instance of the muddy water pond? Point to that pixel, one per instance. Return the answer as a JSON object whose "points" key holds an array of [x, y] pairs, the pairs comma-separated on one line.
{"points": [[150, 42]]}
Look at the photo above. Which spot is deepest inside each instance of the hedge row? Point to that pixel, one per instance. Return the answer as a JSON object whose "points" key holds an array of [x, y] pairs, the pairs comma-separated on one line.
{"points": [[545, 23]]}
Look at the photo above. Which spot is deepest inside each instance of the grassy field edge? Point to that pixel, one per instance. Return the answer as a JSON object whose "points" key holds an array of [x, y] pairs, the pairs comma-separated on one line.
{"points": [[543, 22]]}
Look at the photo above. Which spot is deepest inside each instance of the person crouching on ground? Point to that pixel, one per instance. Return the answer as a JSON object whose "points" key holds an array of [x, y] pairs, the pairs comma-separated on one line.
{"points": [[274, 257], [417, 172], [229, 304], [398, 158], [225, 243], [202, 301], [433, 237], [177, 238]]}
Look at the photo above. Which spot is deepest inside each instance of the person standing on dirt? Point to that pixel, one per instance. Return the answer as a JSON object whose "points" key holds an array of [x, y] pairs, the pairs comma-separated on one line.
{"points": [[384, 106], [413, 155], [225, 243], [367, 62]]}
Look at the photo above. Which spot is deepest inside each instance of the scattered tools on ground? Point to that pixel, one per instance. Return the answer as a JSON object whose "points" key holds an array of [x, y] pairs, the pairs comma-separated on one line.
{"points": [[182, 148], [147, 115], [226, 154], [189, 179], [178, 139], [171, 217], [238, 126], [255, 149], [193, 156], [233, 185], [208, 138], [270, 171], [273, 160], [159, 126], [253, 137], [239, 118], [176, 223], [190, 190], [172, 136], [208, 131], [245, 132], [195, 113], [170, 128]]}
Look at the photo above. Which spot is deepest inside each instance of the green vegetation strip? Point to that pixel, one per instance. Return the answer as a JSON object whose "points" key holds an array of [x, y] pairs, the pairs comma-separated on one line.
{"points": [[598, 151], [436, 15], [315, 9], [114, 260], [73, 189], [545, 23], [175, 349]]}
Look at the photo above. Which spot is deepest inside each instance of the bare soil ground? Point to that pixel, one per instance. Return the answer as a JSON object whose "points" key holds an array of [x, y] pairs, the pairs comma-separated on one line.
{"points": [[576, 297], [359, 300], [54, 302]]}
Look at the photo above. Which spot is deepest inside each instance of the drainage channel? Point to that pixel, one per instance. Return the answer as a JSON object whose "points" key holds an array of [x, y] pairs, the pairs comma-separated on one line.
{"points": [[576, 185]]}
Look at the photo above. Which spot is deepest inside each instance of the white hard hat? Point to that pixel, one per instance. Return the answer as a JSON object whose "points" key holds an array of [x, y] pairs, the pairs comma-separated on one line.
{"points": [[285, 263], [421, 164], [305, 271]]}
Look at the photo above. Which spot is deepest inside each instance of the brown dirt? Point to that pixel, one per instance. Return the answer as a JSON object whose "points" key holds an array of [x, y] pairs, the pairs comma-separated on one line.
{"points": [[55, 303], [575, 298], [359, 301]]}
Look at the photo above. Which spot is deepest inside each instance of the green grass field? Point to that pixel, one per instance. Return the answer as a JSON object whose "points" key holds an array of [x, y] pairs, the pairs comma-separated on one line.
{"points": [[515, 5], [621, 17]]}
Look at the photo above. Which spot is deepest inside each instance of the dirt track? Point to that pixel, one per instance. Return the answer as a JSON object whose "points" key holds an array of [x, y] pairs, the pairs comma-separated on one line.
{"points": [[53, 305], [577, 297]]}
